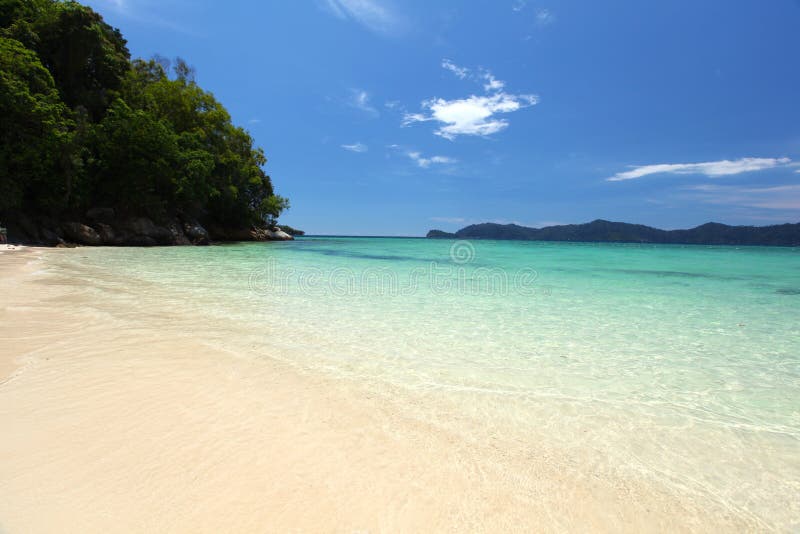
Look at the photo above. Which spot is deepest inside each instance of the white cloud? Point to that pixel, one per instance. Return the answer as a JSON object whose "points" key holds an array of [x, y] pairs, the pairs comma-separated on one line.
{"points": [[461, 72], [712, 169], [492, 83], [375, 15], [254, 121], [474, 115], [427, 162], [359, 99], [356, 147], [544, 17]]}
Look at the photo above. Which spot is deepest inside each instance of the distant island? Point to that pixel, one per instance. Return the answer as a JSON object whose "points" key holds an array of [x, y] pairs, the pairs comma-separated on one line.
{"points": [[618, 232], [100, 149]]}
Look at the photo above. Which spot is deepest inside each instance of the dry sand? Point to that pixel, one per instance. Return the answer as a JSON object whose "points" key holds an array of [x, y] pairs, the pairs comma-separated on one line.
{"points": [[109, 424]]}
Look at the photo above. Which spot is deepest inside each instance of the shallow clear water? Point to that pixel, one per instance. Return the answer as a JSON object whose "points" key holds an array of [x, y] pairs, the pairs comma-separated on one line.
{"points": [[676, 364]]}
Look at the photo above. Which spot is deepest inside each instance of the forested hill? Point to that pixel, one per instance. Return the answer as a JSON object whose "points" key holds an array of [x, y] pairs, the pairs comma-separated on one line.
{"points": [[101, 149], [607, 231]]}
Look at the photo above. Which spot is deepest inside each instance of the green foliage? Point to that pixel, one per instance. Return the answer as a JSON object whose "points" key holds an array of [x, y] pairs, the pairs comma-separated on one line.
{"points": [[272, 206], [87, 57], [136, 158], [82, 125], [34, 131]]}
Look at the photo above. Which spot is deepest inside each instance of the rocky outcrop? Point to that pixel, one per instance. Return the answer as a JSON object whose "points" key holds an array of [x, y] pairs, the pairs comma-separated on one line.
{"points": [[106, 232], [277, 234], [195, 233], [82, 234], [142, 230], [270, 234], [102, 226]]}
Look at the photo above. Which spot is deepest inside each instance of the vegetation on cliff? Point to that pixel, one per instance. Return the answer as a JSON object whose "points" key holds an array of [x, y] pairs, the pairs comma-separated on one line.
{"points": [[83, 126]]}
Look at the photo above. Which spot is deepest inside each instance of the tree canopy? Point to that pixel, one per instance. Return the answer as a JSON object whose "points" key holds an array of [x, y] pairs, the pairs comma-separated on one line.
{"points": [[83, 125]]}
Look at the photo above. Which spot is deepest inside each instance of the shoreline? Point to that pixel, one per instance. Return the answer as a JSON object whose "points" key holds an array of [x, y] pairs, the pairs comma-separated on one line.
{"points": [[114, 421]]}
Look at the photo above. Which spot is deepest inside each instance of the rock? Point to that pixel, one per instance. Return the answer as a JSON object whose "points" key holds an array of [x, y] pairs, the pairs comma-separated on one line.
{"points": [[82, 234], [280, 235], [195, 232], [144, 227], [104, 215], [139, 226], [50, 238], [106, 233], [266, 234], [178, 237]]}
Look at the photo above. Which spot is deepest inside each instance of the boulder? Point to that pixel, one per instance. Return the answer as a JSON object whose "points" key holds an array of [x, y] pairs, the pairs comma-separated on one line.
{"points": [[144, 227], [196, 234], [280, 235], [82, 234], [106, 233], [277, 234], [178, 237], [267, 234]]}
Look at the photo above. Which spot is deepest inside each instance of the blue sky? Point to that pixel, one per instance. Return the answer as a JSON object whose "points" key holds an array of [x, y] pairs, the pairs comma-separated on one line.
{"points": [[382, 117]]}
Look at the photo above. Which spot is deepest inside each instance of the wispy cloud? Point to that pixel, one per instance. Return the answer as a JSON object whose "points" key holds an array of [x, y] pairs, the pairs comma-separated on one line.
{"points": [[356, 147], [779, 197], [712, 169], [544, 17], [360, 100], [481, 76], [461, 72], [427, 162], [143, 11], [474, 114], [374, 15], [492, 83], [254, 121]]}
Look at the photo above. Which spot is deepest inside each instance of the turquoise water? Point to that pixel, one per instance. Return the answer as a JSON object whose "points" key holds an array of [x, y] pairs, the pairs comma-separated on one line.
{"points": [[675, 364]]}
